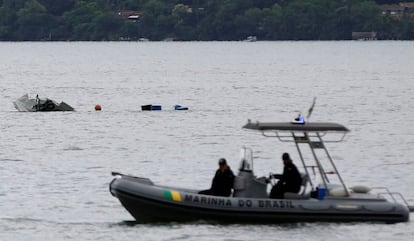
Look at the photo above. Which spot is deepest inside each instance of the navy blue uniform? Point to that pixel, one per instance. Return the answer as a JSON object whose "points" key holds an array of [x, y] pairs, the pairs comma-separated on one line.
{"points": [[290, 181], [222, 184]]}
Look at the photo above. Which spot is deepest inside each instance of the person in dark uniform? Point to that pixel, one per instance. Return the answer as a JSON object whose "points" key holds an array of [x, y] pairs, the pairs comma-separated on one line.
{"points": [[222, 182], [290, 181]]}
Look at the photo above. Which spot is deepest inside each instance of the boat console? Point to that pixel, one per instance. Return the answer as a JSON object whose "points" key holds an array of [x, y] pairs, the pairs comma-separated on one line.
{"points": [[246, 184]]}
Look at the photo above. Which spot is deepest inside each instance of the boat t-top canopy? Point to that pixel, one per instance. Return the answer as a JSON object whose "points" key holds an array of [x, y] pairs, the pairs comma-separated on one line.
{"points": [[308, 133], [289, 126]]}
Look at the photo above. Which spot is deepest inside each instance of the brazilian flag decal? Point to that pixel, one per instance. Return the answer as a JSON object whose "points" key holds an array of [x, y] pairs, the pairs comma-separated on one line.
{"points": [[172, 195]]}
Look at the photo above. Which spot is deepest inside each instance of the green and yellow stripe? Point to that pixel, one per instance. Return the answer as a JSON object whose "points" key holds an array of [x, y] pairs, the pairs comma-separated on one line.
{"points": [[172, 195]]}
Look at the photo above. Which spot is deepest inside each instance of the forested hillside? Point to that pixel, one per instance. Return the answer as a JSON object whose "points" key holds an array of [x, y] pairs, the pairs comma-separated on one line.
{"points": [[62, 20]]}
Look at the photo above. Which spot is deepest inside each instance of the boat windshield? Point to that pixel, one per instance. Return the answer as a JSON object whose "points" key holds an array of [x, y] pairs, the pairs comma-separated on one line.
{"points": [[246, 159]]}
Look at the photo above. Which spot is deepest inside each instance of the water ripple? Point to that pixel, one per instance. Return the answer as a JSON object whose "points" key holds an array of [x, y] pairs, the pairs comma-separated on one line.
{"points": [[56, 166]]}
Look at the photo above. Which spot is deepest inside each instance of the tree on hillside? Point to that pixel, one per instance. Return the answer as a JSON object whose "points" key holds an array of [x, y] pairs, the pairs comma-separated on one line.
{"points": [[34, 22], [57, 8], [303, 20], [199, 19], [272, 19], [81, 20]]}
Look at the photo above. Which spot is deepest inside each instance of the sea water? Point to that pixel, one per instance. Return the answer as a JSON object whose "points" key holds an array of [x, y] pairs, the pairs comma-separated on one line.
{"points": [[55, 167]]}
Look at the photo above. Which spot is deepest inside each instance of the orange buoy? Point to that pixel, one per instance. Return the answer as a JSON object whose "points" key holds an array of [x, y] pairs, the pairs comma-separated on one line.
{"points": [[98, 107]]}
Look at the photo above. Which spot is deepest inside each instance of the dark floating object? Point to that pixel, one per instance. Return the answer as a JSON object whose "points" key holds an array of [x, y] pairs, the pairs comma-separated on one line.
{"points": [[151, 107], [25, 103], [179, 107]]}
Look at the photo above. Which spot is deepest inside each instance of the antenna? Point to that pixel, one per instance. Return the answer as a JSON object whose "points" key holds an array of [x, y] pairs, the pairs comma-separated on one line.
{"points": [[311, 108]]}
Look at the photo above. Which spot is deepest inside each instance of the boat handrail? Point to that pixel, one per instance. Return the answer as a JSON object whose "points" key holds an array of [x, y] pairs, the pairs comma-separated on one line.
{"points": [[393, 196], [288, 137]]}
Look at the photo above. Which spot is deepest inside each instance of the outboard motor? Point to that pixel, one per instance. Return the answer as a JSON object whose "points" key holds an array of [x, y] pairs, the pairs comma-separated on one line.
{"points": [[245, 183]]}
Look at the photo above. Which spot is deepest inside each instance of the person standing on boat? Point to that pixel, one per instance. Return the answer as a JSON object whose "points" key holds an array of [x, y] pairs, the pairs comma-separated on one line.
{"points": [[222, 182], [290, 181], [37, 102]]}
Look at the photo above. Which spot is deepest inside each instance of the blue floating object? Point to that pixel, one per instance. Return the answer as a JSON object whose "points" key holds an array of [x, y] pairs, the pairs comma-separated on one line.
{"points": [[299, 120], [179, 107], [156, 107]]}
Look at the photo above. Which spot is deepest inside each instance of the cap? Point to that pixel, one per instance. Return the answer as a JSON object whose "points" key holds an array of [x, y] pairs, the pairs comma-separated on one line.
{"points": [[222, 161], [285, 156]]}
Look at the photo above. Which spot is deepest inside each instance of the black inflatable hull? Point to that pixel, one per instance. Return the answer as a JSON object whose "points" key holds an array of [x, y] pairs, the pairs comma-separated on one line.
{"points": [[149, 203]]}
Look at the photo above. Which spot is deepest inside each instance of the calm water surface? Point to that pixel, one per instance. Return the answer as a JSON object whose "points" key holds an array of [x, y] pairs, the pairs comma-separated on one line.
{"points": [[55, 167]]}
